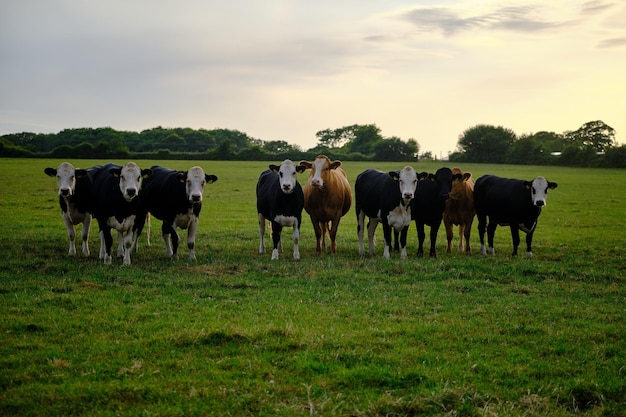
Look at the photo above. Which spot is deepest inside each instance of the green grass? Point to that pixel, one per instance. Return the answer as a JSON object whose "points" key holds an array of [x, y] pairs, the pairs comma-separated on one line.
{"points": [[235, 333]]}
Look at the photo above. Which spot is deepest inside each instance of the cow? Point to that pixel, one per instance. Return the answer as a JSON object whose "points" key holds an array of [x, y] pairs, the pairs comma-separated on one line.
{"points": [[386, 198], [327, 198], [76, 201], [509, 202], [280, 199], [428, 206], [460, 209], [117, 206], [175, 197]]}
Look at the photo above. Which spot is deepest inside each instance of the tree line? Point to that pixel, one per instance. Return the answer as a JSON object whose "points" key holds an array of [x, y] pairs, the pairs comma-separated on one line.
{"points": [[592, 145]]}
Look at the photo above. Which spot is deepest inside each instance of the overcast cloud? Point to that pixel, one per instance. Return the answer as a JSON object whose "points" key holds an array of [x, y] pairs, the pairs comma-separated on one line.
{"points": [[283, 70]]}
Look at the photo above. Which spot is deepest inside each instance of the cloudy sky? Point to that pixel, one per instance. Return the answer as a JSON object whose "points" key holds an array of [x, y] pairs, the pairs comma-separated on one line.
{"points": [[286, 69]]}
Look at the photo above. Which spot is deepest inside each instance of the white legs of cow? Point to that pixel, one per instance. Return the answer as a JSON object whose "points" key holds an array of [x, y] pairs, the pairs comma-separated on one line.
{"points": [[71, 233], [171, 238], [126, 239], [276, 229]]}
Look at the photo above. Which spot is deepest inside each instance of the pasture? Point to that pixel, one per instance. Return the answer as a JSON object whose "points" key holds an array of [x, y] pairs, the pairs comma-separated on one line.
{"points": [[235, 333]]}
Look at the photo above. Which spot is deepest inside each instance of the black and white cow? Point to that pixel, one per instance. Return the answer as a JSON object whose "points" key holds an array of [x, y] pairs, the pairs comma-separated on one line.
{"points": [[76, 200], [386, 198], [280, 199], [509, 202], [117, 206], [429, 204], [175, 197]]}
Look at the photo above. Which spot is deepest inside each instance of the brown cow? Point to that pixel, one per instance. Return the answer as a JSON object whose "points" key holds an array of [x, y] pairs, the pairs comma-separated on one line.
{"points": [[460, 209], [327, 198]]}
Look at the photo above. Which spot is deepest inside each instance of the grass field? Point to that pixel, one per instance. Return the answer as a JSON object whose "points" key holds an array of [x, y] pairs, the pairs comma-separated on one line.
{"points": [[235, 333]]}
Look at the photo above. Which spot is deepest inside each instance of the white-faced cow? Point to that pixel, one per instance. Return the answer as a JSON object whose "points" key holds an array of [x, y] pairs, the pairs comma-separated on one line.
{"points": [[386, 198], [327, 198], [280, 199], [429, 204], [75, 199], [116, 191], [175, 197], [509, 202], [460, 209]]}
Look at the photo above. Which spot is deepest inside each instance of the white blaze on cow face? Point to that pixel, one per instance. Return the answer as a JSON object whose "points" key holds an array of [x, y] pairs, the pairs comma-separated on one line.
{"points": [[539, 190], [407, 181], [196, 179], [130, 181], [287, 175], [66, 178]]}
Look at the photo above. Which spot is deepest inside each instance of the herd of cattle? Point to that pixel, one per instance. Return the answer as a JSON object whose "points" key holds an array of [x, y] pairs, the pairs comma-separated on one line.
{"points": [[124, 197]]}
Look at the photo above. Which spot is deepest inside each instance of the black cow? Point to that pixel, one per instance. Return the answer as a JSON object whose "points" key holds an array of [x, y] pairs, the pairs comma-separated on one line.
{"points": [[280, 199], [509, 202], [116, 206], [429, 204], [76, 200], [175, 197], [384, 197]]}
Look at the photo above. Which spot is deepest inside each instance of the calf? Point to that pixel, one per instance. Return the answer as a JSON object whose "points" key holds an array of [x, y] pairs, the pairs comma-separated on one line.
{"points": [[509, 202], [116, 191], [75, 199], [175, 197], [280, 199], [327, 198], [384, 197], [460, 209], [429, 204]]}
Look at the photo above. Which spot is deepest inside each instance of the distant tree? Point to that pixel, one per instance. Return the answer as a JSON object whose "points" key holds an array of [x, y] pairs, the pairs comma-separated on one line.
{"points": [[279, 146], [394, 149], [365, 138], [596, 135], [525, 151], [548, 141], [615, 157], [486, 143], [335, 138]]}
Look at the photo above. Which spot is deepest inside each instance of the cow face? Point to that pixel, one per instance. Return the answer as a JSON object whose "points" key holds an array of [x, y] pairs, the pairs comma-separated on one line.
{"points": [[195, 179], [539, 190], [443, 178], [130, 176], [287, 175], [66, 176], [320, 170], [407, 181]]}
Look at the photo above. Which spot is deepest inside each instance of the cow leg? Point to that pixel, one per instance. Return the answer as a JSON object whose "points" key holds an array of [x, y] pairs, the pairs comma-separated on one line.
{"points": [[396, 242], [403, 235], [276, 230], [371, 230], [106, 241], [450, 235], [491, 232], [317, 228], [71, 232], [421, 236], [168, 232], [128, 245], [120, 244], [516, 239], [387, 238], [295, 238], [461, 235], [191, 237], [360, 226], [467, 231], [85, 234], [434, 229], [482, 226], [261, 233], [529, 242], [325, 229], [333, 235]]}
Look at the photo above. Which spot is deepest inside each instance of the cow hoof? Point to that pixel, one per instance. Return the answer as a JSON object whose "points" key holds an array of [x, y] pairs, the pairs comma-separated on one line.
{"points": [[274, 254]]}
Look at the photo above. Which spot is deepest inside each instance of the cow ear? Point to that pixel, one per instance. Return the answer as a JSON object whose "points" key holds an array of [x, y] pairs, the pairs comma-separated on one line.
{"points": [[301, 168], [80, 173], [432, 177], [51, 172], [181, 176], [422, 176], [116, 172], [467, 176], [306, 164], [145, 173], [274, 167], [335, 164], [210, 178], [457, 177], [395, 175], [552, 185], [528, 184]]}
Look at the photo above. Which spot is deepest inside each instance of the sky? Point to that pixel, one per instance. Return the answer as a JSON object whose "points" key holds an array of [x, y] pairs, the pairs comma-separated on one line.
{"points": [[286, 69]]}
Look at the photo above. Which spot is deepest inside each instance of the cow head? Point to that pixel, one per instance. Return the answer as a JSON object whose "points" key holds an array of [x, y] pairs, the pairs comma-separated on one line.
{"points": [[287, 175], [539, 190], [459, 181], [407, 181], [130, 176], [66, 176], [194, 181], [320, 170], [443, 179]]}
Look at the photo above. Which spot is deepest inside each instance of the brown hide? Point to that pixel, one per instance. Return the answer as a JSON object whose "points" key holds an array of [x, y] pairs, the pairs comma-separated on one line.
{"points": [[460, 209], [327, 200]]}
